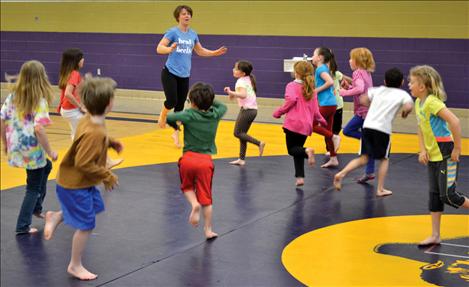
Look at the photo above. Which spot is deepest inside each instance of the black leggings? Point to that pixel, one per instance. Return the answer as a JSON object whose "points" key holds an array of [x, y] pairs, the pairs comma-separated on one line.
{"points": [[295, 143], [337, 126], [175, 90], [243, 123]]}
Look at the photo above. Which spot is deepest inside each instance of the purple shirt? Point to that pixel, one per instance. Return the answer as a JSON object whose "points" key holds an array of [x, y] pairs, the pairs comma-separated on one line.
{"points": [[300, 113], [361, 82]]}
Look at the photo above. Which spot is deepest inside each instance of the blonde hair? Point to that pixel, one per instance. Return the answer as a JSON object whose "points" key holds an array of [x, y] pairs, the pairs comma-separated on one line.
{"points": [[305, 71], [32, 85], [429, 77], [363, 58]]}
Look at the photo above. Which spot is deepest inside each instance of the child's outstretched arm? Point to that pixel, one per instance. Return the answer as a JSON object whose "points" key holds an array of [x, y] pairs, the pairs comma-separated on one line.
{"points": [[407, 109], [455, 128], [115, 145], [44, 141]]}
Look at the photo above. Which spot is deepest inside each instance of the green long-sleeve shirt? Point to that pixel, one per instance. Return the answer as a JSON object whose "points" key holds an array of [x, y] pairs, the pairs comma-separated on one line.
{"points": [[200, 127]]}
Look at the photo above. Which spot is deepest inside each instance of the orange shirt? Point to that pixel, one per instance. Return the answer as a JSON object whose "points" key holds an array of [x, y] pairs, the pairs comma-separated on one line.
{"points": [[73, 80]]}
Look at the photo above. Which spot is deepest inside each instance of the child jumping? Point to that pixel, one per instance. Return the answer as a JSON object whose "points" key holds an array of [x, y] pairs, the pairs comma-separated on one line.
{"points": [[24, 115], [440, 147], [377, 128], [245, 93], [301, 109], [84, 167], [196, 166], [362, 64]]}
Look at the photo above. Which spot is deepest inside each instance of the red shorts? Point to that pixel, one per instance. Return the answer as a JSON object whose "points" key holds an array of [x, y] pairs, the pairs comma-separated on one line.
{"points": [[196, 172]]}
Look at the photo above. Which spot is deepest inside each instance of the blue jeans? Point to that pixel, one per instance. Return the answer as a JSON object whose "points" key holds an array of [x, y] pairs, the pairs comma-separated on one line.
{"points": [[354, 129], [36, 187]]}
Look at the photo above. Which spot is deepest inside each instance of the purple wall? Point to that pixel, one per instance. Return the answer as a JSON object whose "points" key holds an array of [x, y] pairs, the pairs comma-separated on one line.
{"points": [[132, 61]]}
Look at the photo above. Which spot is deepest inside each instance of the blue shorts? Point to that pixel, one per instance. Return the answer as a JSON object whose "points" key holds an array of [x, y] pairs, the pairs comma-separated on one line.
{"points": [[80, 206]]}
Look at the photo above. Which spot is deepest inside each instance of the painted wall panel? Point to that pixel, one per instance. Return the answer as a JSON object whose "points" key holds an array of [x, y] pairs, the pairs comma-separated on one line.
{"points": [[401, 19], [131, 59]]}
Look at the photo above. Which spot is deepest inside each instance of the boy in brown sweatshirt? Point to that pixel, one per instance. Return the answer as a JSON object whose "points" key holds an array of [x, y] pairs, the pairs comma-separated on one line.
{"points": [[84, 167]]}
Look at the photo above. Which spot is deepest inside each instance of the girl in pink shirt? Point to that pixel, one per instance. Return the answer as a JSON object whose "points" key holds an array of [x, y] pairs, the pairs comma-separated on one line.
{"points": [[245, 93], [301, 109], [363, 64]]}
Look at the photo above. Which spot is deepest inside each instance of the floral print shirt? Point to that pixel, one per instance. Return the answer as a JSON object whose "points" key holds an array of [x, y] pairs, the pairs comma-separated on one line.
{"points": [[23, 146]]}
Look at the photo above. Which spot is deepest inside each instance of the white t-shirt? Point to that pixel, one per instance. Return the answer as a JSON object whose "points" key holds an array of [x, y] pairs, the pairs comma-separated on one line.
{"points": [[250, 101], [385, 103]]}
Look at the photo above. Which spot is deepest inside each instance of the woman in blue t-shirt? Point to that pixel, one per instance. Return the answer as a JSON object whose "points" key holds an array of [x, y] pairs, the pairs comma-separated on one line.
{"points": [[178, 42]]}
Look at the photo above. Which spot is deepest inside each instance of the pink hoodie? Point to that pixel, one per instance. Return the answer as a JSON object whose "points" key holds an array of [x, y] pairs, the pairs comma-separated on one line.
{"points": [[300, 113]]}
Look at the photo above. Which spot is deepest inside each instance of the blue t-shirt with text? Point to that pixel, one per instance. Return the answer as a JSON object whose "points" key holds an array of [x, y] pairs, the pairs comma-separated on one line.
{"points": [[179, 61], [326, 97]]}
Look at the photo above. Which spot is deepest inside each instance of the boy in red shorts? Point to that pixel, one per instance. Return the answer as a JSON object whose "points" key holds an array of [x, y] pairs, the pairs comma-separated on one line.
{"points": [[195, 166]]}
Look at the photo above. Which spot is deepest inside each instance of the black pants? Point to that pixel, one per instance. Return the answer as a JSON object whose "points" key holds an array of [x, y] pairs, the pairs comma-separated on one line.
{"points": [[295, 143], [175, 90], [243, 123], [337, 126]]}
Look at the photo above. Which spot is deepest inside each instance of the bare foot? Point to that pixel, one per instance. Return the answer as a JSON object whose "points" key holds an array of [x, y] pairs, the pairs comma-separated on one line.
{"points": [[53, 219], [338, 181], [311, 159], [432, 240], [383, 192], [300, 181], [81, 273], [333, 162], [195, 215], [110, 163], [175, 137], [209, 234], [32, 230], [261, 148], [327, 154], [239, 162]]}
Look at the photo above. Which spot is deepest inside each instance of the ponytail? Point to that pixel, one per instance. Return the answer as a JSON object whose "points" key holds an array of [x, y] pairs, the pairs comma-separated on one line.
{"points": [[246, 67], [305, 71]]}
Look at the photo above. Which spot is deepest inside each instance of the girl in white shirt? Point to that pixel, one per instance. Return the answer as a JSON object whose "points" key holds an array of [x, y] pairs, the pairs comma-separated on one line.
{"points": [[245, 93]]}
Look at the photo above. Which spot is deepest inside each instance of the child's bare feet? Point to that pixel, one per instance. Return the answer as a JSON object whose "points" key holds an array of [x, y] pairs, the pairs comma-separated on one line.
{"points": [[209, 234], [175, 137], [195, 215], [311, 159], [32, 230], [300, 181], [338, 181], [261, 148], [53, 219], [383, 192], [239, 162], [110, 163], [333, 162], [432, 240], [81, 273]]}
